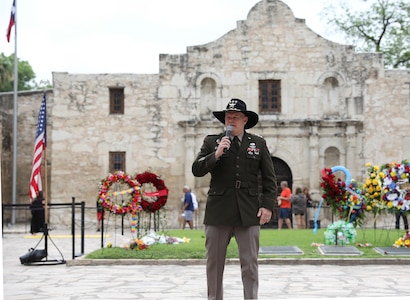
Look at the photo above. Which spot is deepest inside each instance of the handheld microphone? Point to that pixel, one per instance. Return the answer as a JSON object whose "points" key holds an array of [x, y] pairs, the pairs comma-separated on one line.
{"points": [[228, 134]]}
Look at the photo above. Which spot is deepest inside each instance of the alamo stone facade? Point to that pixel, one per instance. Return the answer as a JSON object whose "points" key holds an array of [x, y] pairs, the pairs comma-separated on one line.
{"points": [[338, 107]]}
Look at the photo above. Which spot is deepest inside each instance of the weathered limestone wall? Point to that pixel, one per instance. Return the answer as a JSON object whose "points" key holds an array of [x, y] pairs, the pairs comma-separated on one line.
{"points": [[387, 110], [84, 133], [338, 107]]}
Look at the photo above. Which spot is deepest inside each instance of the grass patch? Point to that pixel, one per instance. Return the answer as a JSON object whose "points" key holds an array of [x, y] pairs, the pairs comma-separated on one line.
{"points": [[303, 239]]}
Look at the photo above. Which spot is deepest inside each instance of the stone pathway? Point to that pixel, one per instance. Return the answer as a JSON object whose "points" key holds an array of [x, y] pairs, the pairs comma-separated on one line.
{"points": [[279, 279]]}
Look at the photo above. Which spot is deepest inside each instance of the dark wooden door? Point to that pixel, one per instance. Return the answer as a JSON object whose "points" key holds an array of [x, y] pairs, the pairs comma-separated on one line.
{"points": [[283, 173]]}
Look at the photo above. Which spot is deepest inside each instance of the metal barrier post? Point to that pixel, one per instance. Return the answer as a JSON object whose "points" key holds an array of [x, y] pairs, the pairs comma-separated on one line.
{"points": [[82, 226], [2, 219], [73, 225], [102, 229], [122, 220], [122, 223]]}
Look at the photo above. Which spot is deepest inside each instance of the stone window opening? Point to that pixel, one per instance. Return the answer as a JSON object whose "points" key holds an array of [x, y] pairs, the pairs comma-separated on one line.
{"points": [[117, 100], [270, 96], [116, 161]]}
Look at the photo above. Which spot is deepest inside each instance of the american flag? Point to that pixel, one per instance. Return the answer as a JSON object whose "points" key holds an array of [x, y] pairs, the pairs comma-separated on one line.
{"points": [[12, 20], [39, 146]]}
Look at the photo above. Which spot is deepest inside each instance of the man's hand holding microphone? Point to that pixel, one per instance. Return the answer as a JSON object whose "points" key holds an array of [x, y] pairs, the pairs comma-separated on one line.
{"points": [[225, 143]]}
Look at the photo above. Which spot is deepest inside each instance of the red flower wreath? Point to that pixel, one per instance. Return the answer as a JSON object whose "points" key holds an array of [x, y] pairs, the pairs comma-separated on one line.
{"points": [[161, 194], [334, 191], [344, 200], [104, 195]]}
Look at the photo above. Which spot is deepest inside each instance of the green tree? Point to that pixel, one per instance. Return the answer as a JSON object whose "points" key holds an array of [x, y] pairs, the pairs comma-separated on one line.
{"points": [[25, 72], [383, 27]]}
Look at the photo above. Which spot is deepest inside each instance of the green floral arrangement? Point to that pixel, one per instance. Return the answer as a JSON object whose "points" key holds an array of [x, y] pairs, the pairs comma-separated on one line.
{"points": [[340, 233]]}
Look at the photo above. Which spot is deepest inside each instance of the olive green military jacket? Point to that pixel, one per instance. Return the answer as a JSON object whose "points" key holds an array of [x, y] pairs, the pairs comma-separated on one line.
{"points": [[236, 192]]}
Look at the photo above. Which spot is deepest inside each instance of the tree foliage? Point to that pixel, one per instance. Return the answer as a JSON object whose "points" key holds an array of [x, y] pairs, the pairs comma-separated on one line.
{"points": [[383, 27], [25, 74]]}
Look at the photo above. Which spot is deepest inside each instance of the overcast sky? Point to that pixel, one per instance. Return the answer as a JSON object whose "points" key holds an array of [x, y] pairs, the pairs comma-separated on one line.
{"points": [[124, 36]]}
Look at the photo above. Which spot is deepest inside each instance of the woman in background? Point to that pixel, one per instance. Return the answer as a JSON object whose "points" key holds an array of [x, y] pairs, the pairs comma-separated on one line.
{"points": [[298, 201], [37, 214], [308, 198]]}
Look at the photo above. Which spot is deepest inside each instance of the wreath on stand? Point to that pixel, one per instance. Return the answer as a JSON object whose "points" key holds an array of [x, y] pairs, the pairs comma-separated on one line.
{"points": [[154, 196], [344, 198], [152, 201], [112, 186]]}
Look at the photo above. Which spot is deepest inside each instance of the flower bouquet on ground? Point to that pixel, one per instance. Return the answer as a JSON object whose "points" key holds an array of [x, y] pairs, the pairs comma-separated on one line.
{"points": [[136, 244], [340, 233], [153, 238], [403, 242]]}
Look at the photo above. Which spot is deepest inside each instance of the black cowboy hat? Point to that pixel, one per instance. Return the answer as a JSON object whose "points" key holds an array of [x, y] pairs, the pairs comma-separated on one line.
{"points": [[240, 106]]}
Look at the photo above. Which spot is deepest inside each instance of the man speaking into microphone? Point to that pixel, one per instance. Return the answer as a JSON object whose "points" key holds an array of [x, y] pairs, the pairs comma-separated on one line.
{"points": [[228, 135], [235, 159]]}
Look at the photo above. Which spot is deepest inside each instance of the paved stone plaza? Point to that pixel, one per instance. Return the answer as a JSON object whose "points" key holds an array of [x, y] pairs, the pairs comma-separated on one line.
{"points": [[128, 279]]}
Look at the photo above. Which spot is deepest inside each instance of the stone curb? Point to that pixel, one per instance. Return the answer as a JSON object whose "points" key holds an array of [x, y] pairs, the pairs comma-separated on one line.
{"points": [[268, 261]]}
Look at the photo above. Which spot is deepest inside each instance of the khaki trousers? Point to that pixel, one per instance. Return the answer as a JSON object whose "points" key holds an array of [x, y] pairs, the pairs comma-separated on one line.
{"points": [[217, 241]]}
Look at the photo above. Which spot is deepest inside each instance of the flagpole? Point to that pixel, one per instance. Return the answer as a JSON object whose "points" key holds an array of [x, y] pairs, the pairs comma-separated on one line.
{"points": [[45, 201], [14, 189], [45, 187]]}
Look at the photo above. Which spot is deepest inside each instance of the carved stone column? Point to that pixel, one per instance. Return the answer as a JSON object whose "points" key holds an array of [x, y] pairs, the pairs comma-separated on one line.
{"points": [[190, 151], [351, 153], [314, 163]]}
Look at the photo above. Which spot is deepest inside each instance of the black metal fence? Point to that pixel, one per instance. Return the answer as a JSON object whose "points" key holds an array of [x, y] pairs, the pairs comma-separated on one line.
{"points": [[326, 216], [72, 206]]}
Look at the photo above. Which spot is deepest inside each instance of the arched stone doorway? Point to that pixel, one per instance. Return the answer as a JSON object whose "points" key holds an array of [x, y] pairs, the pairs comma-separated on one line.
{"points": [[283, 173]]}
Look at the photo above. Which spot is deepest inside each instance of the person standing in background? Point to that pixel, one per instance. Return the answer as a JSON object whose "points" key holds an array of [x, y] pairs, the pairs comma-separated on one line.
{"points": [[194, 200], [405, 221], [37, 214], [298, 201], [196, 205], [100, 215], [309, 202], [188, 208], [285, 205]]}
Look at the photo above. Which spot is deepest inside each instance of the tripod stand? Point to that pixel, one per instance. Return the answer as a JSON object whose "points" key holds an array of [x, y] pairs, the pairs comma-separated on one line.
{"points": [[39, 223], [40, 257]]}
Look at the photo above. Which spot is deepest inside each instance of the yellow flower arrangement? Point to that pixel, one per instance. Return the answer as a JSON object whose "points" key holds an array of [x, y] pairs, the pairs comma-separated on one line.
{"points": [[403, 242], [372, 188]]}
